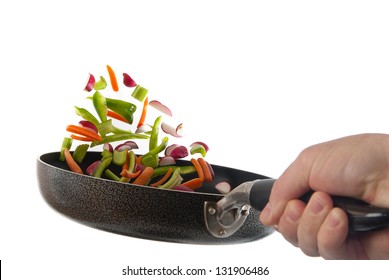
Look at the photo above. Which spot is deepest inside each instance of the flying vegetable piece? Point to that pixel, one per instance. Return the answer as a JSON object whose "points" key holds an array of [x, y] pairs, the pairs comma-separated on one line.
{"points": [[100, 84], [128, 81], [123, 108], [161, 107], [139, 93], [100, 104], [112, 77], [90, 83]]}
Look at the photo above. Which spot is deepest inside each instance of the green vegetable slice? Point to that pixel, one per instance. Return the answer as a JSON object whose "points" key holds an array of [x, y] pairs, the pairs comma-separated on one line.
{"points": [[103, 165], [86, 115], [119, 157], [80, 152], [100, 84], [100, 104], [139, 93], [66, 144], [123, 108]]}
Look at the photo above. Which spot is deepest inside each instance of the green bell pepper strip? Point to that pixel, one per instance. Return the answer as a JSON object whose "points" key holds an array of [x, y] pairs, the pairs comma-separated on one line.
{"points": [[154, 133], [151, 158], [119, 137], [103, 165], [86, 115], [100, 104], [107, 127], [123, 108]]}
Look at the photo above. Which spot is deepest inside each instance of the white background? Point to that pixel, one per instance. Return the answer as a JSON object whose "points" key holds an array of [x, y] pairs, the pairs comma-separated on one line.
{"points": [[257, 80]]}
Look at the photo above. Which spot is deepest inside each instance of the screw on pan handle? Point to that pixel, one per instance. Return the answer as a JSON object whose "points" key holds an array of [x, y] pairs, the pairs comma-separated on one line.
{"points": [[363, 217]]}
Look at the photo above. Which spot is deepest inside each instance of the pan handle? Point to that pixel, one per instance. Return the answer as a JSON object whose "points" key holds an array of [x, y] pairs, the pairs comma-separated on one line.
{"points": [[363, 217]]}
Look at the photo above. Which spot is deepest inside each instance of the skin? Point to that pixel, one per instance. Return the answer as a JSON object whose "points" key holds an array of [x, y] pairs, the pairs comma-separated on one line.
{"points": [[355, 166]]}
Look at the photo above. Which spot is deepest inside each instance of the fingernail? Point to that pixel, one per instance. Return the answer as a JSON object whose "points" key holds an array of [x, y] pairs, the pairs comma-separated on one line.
{"points": [[265, 214], [292, 214], [316, 206], [334, 219]]}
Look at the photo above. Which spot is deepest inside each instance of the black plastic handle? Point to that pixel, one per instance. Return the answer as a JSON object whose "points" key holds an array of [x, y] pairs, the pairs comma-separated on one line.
{"points": [[362, 216]]}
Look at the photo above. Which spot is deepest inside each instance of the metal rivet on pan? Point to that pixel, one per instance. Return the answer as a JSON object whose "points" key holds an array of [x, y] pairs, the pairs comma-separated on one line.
{"points": [[245, 212], [212, 211], [222, 232]]}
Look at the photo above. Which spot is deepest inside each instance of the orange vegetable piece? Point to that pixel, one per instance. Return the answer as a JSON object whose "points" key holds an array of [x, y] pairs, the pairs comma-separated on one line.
{"points": [[128, 174], [71, 162], [144, 112], [163, 179], [87, 132], [115, 115], [208, 176], [145, 176], [112, 77], [193, 183], [81, 138], [199, 170]]}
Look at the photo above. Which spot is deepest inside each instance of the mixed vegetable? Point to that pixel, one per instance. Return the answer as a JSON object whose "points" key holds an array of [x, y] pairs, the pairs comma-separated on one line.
{"points": [[157, 167]]}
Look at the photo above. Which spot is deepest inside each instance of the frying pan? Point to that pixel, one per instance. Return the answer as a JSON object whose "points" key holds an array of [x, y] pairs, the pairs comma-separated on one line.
{"points": [[141, 211], [203, 217]]}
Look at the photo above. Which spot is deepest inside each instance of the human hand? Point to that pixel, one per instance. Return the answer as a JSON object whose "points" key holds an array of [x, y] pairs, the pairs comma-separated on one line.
{"points": [[355, 166]]}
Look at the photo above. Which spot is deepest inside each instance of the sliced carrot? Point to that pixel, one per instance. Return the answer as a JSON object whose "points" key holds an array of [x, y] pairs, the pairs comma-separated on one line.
{"points": [[145, 176], [199, 170], [208, 176], [138, 160], [128, 174], [144, 112], [87, 132], [193, 183], [163, 179], [115, 115], [71, 162], [112, 77], [81, 138]]}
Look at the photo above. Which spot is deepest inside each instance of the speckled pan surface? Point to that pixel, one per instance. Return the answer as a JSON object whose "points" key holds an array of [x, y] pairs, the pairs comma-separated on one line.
{"points": [[138, 211]]}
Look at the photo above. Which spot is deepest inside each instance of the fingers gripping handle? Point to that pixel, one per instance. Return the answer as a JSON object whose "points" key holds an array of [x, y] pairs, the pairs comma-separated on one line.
{"points": [[362, 216]]}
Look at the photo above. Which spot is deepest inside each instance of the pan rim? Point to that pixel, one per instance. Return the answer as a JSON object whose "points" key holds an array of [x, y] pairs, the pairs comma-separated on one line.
{"points": [[126, 185]]}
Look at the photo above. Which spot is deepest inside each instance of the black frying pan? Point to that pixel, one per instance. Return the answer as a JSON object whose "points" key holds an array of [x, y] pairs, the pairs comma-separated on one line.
{"points": [[203, 217], [140, 211]]}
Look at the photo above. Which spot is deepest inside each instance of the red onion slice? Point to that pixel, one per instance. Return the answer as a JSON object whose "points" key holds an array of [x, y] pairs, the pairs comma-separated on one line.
{"points": [[88, 124], [223, 187], [179, 152], [128, 81], [174, 131], [166, 160], [90, 83], [160, 107]]}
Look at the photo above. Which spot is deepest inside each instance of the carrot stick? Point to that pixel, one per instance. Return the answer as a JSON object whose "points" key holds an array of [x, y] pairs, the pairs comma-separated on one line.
{"points": [[71, 162], [145, 176], [144, 112], [81, 138], [128, 174], [193, 183], [163, 179], [115, 115], [199, 170], [83, 131], [112, 77], [208, 177]]}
